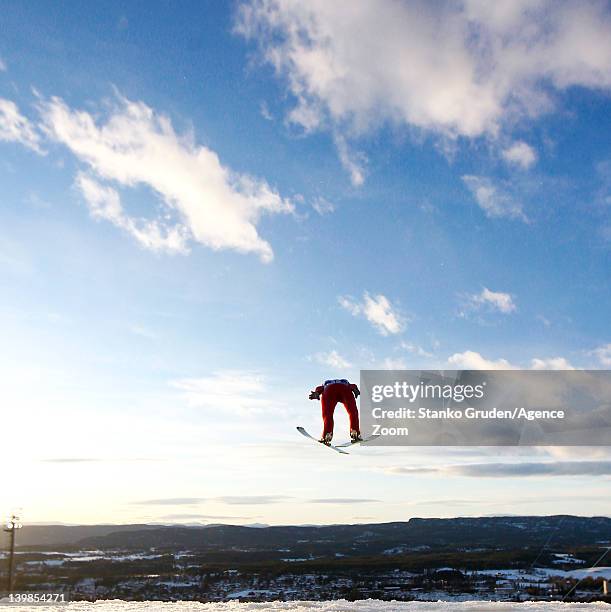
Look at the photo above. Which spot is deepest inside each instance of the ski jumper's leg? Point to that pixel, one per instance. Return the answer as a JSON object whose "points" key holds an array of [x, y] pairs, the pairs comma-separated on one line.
{"points": [[328, 402], [350, 404]]}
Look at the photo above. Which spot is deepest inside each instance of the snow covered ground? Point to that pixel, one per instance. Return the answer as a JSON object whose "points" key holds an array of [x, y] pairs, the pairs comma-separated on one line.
{"points": [[540, 573], [315, 606]]}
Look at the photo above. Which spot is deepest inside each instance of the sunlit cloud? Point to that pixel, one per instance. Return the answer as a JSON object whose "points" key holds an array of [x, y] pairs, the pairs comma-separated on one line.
{"points": [[14, 127], [378, 310], [105, 203], [553, 363], [472, 360], [603, 354], [228, 391], [202, 200], [332, 359], [493, 300], [467, 69], [520, 154]]}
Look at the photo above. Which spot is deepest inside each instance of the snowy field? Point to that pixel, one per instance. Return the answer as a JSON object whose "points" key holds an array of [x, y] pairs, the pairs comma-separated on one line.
{"points": [[315, 606]]}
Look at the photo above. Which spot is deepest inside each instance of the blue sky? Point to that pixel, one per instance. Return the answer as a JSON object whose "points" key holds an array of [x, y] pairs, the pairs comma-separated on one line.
{"points": [[208, 209]]}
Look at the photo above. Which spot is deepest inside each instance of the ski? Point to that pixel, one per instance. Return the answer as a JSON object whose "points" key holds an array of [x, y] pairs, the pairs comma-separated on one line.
{"points": [[363, 441], [303, 432]]}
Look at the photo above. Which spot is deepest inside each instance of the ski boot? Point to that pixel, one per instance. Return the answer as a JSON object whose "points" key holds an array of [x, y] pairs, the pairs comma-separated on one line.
{"points": [[355, 436], [326, 439]]}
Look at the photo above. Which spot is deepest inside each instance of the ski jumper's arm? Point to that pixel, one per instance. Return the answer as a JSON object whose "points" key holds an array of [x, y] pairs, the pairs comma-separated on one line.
{"points": [[316, 393], [355, 390]]}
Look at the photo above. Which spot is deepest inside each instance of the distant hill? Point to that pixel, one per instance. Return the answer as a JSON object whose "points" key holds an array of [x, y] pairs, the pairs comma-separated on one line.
{"points": [[65, 535], [510, 532]]}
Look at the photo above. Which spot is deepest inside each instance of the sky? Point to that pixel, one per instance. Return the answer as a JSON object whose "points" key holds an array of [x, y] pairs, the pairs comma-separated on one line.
{"points": [[209, 208]]}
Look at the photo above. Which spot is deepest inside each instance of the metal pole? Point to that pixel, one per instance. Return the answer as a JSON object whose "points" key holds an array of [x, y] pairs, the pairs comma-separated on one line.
{"points": [[11, 563], [11, 527]]}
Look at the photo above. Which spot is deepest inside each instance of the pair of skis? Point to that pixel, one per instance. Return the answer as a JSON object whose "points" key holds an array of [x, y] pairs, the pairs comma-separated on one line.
{"points": [[338, 448]]}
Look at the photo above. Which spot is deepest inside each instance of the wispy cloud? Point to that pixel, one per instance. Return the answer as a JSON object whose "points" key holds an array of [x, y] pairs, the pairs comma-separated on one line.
{"points": [[378, 310], [520, 154], [351, 68], [343, 500], [265, 112], [232, 500], [203, 517], [493, 199], [447, 502], [553, 363], [143, 332], [603, 354], [252, 500], [352, 161], [559, 468], [104, 203], [210, 204], [236, 391], [415, 349], [332, 359], [72, 460], [14, 127], [322, 206], [511, 470], [472, 360], [492, 300], [171, 501], [394, 363]]}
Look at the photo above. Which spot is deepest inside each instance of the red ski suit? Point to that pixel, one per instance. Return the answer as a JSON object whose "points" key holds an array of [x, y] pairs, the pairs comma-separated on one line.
{"points": [[330, 395]]}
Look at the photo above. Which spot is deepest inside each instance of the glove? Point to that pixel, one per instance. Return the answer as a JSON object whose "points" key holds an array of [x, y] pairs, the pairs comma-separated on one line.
{"points": [[356, 392], [314, 395]]}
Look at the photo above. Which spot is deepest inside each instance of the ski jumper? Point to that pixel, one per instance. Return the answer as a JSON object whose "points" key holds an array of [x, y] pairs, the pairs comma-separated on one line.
{"points": [[332, 392]]}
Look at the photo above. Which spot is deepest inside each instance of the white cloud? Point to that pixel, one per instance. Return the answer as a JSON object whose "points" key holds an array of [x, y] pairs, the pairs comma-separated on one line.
{"points": [[496, 300], [136, 146], [3, 66], [265, 112], [232, 391], [332, 359], [603, 353], [105, 203], [521, 154], [554, 363], [493, 200], [394, 363], [322, 206], [349, 304], [14, 127], [378, 311], [546, 322], [511, 470], [413, 348], [467, 68], [353, 162], [470, 360]]}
